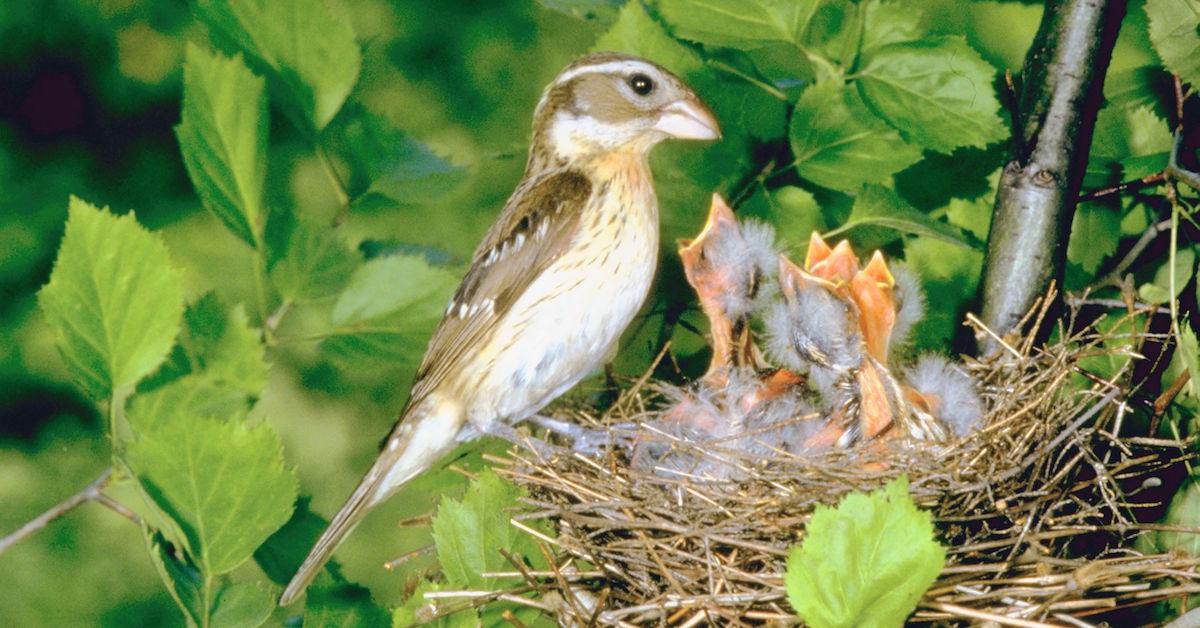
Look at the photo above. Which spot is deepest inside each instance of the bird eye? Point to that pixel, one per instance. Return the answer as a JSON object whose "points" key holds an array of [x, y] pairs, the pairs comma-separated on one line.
{"points": [[641, 84]]}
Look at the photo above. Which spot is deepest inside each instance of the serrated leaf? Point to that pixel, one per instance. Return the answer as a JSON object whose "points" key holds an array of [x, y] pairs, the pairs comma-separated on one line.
{"points": [[1136, 87], [387, 284], [312, 261], [223, 138], [864, 563], [747, 25], [383, 160], [889, 23], [840, 145], [880, 216], [636, 32], [793, 211], [219, 343], [113, 300], [1095, 234], [469, 533], [1159, 291], [223, 482], [1175, 33], [182, 578], [937, 92], [241, 605], [330, 603], [309, 53], [418, 611]]}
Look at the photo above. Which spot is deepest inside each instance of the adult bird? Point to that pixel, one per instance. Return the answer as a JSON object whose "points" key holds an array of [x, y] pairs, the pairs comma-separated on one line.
{"points": [[555, 281]]}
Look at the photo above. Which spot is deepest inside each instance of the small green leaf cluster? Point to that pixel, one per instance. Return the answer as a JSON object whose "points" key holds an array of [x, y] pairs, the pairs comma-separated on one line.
{"points": [[474, 538], [866, 562], [180, 375]]}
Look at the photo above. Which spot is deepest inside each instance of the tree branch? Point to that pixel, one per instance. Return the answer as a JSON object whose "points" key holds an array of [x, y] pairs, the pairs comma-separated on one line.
{"points": [[1062, 90], [91, 492]]}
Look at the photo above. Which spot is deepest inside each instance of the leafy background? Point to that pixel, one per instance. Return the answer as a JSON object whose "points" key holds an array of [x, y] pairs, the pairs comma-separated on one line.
{"points": [[405, 123]]}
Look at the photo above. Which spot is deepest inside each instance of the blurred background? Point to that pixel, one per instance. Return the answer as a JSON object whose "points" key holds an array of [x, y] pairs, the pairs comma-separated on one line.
{"points": [[89, 93]]}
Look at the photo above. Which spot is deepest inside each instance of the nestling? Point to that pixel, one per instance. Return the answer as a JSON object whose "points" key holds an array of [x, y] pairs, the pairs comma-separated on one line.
{"points": [[555, 281]]}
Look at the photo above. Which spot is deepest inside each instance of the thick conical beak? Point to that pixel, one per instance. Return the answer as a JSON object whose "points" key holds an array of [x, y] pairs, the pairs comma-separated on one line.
{"points": [[689, 119]]}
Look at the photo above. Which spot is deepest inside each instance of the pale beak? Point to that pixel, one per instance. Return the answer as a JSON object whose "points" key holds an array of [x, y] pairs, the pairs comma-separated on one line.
{"points": [[688, 119]]}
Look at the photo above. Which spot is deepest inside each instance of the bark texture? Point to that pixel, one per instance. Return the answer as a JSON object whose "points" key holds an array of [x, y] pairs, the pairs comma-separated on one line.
{"points": [[1062, 91]]}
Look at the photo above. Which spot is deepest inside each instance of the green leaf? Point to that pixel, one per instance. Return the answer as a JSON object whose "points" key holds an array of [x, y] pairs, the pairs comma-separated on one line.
{"points": [[1136, 87], [242, 605], [283, 552], [1159, 291], [937, 92], [223, 482], [183, 400], [309, 53], [220, 344], [747, 25], [1184, 511], [312, 261], [223, 138], [793, 211], [866, 562], [383, 160], [387, 284], [950, 276], [889, 23], [840, 145], [637, 33], [1175, 33], [113, 300], [469, 533], [1095, 234], [418, 611], [180, 575], [331, 603], [880, 216]]}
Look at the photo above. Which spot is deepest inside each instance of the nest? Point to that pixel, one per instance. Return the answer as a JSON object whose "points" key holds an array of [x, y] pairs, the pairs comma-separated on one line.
{"points": [[1039, 509]]}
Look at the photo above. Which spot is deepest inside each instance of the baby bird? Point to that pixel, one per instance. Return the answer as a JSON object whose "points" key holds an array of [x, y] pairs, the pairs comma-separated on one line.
{"points": [[728, 265], [556, 279]]}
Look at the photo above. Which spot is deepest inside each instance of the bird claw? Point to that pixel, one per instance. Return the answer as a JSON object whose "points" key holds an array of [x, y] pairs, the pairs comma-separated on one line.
{"points": [[588, 441]]}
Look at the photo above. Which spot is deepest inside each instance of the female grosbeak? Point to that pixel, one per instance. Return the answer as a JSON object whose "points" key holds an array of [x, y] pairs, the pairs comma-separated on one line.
{"points": [[554, 282]]}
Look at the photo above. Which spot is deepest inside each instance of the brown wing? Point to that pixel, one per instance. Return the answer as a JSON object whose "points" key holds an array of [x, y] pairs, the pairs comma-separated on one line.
{"points": [[536, 226]]}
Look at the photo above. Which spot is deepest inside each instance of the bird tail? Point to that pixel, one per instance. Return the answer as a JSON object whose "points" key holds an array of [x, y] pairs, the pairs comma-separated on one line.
{"points": [[417, 442]]}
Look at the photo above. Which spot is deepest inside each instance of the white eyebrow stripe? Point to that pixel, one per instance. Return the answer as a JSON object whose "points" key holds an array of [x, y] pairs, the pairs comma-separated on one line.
{"points": [[623, 67]]}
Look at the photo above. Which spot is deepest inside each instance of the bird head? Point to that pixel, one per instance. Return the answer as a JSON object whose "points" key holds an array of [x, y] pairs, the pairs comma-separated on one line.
{"points": [[609, 102]]}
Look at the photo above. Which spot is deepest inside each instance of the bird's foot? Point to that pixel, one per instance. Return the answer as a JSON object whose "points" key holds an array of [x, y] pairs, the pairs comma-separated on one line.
{"points": [[590, 441], [543, 450]]}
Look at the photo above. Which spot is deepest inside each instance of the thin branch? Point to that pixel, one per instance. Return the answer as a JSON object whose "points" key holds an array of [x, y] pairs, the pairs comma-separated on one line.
{"points": [[91, 492], [1061, 94]]}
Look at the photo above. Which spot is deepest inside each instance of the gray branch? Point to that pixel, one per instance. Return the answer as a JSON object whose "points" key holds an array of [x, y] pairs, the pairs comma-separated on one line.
{"points": [[1062, 90]]}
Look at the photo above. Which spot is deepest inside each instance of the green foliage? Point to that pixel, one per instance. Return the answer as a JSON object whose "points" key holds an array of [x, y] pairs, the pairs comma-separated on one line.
{"points": [[223, 138], [938, 90], [748, 25], [866, 562], [387, 284], [840, 145], [222, 481], [1175, 37], [311, 261], [113, 300], [879, 216], [876, 120], [309, 53], [471, 536]]}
